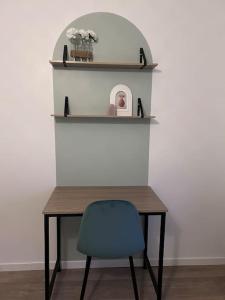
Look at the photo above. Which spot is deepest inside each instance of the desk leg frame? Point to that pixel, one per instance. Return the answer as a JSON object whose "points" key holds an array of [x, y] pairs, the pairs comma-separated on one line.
{"points": [[146, 241], [156, 283], [46, 231], [49, 282], [58, 225]]}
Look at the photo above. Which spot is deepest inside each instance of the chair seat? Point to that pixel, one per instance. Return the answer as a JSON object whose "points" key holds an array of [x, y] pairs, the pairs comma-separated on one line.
{"points": [[110, 229]]}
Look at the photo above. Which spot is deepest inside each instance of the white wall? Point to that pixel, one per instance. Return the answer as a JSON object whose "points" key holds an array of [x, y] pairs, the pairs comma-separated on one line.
{"points": [[187, 145], [187, 151]]}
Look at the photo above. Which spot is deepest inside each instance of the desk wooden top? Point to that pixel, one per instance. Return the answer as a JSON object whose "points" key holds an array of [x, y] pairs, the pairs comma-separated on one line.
{"points": [[74, 200]]}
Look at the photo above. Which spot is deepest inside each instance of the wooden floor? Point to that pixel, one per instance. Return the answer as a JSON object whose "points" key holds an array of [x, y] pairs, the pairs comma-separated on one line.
{"points": [[180, 283]]}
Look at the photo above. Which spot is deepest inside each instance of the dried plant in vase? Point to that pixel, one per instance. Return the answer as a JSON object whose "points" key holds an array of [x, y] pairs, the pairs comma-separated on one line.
{"points": [[82, 41]]}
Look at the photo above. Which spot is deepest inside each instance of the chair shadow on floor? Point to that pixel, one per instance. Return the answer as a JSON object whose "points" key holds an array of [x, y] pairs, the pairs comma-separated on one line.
{"points": [[91, 294]]}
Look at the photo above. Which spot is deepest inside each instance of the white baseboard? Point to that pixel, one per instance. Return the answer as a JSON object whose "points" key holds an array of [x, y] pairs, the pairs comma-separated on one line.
{"points": [[78, 264], [24, 266], [192, 261]]}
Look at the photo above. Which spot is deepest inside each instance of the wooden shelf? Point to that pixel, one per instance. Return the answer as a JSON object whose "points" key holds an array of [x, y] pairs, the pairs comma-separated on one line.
{"points": [[102, 65], [102, 117]]}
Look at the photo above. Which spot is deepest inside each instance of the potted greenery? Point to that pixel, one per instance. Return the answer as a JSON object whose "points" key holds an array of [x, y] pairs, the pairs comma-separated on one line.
{"points": [[82, 41]]}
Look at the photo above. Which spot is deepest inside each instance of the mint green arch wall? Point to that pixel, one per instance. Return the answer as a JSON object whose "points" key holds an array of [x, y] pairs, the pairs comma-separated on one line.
{"points": [[100, 152]]}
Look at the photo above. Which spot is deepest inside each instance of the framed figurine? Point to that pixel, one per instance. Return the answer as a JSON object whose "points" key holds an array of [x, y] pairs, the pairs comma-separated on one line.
{"points": [[121, 97]]}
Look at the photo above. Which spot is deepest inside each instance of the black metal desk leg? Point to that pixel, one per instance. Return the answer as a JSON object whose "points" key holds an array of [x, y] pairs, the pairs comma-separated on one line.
{"points": [[46, 232], [58, 220], [161, 253], [146, 240]]}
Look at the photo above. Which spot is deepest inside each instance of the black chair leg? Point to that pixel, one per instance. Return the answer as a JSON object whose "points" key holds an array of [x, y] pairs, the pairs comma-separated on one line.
{"points": [[133, 278], [87, 268]]}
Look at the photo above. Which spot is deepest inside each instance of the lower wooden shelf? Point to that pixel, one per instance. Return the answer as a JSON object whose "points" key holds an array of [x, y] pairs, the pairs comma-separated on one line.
{"points": [[102, 117]]}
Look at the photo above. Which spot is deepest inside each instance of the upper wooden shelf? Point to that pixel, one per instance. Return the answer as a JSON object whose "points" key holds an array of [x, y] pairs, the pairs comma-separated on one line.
{"points": [[102, 65]]}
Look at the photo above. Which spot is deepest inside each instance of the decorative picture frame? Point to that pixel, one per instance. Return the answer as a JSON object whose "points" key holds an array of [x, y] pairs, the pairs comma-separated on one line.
{"points": [[121, 97]]}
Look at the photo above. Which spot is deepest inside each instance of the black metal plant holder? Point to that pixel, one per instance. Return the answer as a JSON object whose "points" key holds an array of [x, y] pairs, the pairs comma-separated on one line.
{"points": [[66, 107], [143, 59], [140, 108], [65, 55]]}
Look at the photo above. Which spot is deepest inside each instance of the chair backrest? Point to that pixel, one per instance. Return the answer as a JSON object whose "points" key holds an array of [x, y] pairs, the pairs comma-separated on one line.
{"points": [[110, 229]]}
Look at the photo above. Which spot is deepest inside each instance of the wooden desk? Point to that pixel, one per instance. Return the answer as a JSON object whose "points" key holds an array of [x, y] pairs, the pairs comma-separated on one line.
{"points": [[72, 201]]}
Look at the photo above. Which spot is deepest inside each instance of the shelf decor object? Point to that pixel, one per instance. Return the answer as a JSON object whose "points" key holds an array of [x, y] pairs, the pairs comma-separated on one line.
{"points": [[82, 41], [121, 97], [112, 110]]}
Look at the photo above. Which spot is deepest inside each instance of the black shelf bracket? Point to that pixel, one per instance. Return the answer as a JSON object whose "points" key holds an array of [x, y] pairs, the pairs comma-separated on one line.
{"points": [[65, 55], [66, 107], [143, 59], [140, 108]]}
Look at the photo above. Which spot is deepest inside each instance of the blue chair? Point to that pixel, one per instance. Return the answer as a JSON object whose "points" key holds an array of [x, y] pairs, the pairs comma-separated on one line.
{"points": [[110, 229]]}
